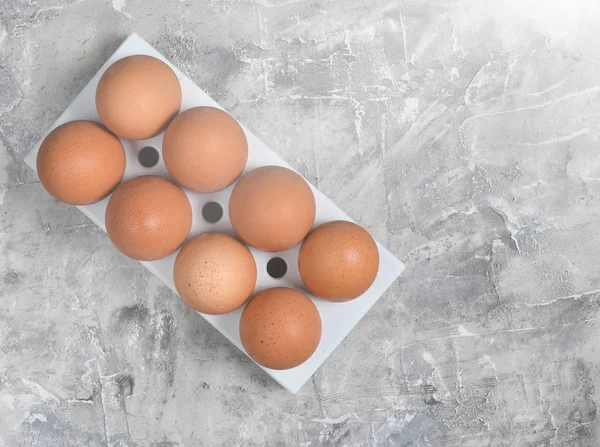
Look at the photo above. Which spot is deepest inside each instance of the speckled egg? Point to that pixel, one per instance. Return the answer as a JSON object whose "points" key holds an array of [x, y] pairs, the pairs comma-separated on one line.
{"points": [[80, 162], [338, 261], [214, 273], [280, 328], [205, 149], [272, 208], [137, 96], [148, 218]]}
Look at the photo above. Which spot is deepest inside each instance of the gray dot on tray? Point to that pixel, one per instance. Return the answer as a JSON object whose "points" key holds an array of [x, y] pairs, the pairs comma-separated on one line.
{"points": [[212, 212], [276, 268], [148, 157]]}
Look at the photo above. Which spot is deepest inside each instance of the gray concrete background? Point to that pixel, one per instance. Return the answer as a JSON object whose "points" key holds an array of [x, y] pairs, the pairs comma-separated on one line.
{"points": [[462, 134]]}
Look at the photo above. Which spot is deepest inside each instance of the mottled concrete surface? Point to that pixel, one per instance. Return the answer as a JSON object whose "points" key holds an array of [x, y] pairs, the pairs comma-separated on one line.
{"points": [[462, 133]]}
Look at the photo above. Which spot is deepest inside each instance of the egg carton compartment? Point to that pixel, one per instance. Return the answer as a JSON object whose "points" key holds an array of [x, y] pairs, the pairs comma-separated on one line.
{"points": [[210, 214]]}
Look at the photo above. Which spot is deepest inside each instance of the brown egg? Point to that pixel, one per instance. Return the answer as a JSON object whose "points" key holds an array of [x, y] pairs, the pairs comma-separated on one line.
{"points": [[338, 261], [148, 218], [214, 273], [205, 149], [272, 208], [137, 96], [80, 162], [280, 328]]}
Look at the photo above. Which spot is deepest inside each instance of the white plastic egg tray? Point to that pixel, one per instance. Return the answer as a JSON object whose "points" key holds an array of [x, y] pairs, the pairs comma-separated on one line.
{"points": [[338, 319]]}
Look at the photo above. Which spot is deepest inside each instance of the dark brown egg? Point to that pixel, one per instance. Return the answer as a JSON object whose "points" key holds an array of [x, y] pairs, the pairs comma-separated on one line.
{"points": [[80, 162], [137, 96], [214, 273], [272, 208], [148, 218], [205, 149], [280, 328], [338, 261]]}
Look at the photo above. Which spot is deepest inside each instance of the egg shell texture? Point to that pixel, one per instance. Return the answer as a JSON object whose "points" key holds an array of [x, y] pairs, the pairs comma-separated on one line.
{"points": [[80, 162], [214, 273], [205, 149], [272, 208], [338, 261], [137, 96], [280, 328], [148, 218]]}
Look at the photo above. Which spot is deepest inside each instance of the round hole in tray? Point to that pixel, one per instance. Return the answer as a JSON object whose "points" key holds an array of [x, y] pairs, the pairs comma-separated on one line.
{"points": [[276, 268], [212, 212], [148, 157]]}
